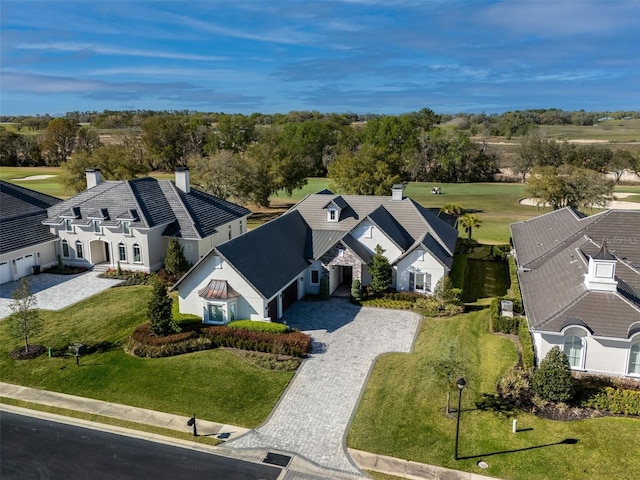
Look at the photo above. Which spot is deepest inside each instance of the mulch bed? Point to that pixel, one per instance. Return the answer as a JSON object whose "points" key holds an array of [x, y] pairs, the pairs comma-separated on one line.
{"points": [[22, 354]]}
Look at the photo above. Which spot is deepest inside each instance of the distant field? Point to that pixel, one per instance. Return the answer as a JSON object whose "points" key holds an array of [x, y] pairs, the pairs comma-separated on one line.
{"points": [[611, 131], [497, 204]]}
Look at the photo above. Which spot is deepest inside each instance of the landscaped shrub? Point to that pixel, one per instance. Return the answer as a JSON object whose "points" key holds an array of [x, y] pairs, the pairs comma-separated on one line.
{"points": [[526, 342], [159, 310], [502, 324], [458, 270], [388, 303], [271, 327], [144, 334], [552, 380], [615, 400], [294, 343], [515, 387], [356, 289], [324, 288]]}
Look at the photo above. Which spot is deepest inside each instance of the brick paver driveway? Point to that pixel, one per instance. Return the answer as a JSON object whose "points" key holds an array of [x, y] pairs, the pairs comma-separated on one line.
{"points": [[312, 417], [55, 292]]}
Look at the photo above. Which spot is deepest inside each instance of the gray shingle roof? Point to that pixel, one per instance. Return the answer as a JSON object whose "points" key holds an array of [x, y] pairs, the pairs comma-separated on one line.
{"points": [[21, 213], [271, 255], [148, 203], [553, 251]]}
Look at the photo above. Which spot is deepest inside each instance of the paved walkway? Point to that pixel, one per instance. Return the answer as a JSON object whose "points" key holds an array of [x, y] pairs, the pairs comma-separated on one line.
{"points": [[313, 416], [55, 292]]}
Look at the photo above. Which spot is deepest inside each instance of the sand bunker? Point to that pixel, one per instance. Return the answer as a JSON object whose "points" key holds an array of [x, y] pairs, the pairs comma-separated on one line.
{"points": [[34, 177], [614, 204]]}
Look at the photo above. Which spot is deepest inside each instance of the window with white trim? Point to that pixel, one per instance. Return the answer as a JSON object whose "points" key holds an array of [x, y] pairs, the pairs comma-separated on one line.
{"points": [[332, 215], [634, 359], [230, 232], [122, 252], [97, 227], [68, 227], [572, 348], [241, 227], [315, 277], [215, 312], [65, 249], [137, 256], [420, 282], [126, 228], [79, 251]]}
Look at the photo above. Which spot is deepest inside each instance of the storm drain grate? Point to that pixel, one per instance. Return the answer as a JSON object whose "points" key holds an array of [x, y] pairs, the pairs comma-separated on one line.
{"points": [[277, 459]]}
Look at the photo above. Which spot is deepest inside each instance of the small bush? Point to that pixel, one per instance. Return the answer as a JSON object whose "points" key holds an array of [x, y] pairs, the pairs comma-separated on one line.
{"points": [[515, 387], [356, 289], [144, 335], [526, 342], [552, 380], [271, 327], [615, 400], [388, 303]]}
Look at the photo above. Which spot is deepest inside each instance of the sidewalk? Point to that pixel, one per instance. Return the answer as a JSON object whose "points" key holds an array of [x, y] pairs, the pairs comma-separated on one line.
{"points": [[299, 468]]}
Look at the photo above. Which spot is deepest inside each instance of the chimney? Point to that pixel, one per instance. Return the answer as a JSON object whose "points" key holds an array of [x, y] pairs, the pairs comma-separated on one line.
{"points": [[93, 177], [397, 192], [182, 179]]}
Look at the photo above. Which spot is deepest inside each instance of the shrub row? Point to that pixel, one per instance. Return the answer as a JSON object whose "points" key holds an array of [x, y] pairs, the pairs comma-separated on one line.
{"points": [[615, 400], [526, 342], [388, 303], [430, 307], [270, 327], [193, 344], [458, 270], [144, 335], [500, 324], [295, 343]]}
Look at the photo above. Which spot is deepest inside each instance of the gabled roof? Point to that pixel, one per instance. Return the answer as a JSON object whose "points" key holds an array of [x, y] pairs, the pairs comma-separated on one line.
{"points": [[21, 213], [148, 203], [553, 253], [271, 255]]}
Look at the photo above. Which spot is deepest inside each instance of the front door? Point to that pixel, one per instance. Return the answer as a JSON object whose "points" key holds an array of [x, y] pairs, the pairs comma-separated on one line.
{"points": [[107, 255]]}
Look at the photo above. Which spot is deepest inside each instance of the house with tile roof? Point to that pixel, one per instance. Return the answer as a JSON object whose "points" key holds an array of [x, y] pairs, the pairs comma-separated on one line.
{"points": [[130, 222], [24, 241], [580, 283], [258, 275]]}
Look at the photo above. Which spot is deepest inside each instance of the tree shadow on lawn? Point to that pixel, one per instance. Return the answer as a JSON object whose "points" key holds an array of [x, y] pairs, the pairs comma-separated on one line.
{"points": [[566, 441]]}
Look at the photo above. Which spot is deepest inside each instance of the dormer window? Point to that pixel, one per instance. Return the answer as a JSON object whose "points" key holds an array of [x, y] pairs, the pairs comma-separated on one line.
{"points": [[97, 228], [332, 215], [68, 227], [126, 228]]}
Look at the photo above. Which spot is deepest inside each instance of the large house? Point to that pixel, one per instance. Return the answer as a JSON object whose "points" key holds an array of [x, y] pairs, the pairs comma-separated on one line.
{"points": [[580, 283], [130, 222], [258, 275], [24, 242]]}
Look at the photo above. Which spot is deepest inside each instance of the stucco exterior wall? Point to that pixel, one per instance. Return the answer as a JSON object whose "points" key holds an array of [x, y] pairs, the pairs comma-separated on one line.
{"points": [[44, 254], [429, 264], [249, 306], [391, 251], [601, 356], [204, 246]]}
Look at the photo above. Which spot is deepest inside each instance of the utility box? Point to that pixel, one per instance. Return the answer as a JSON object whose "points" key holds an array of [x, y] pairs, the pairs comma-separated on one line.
{"points": [[506, 308]]}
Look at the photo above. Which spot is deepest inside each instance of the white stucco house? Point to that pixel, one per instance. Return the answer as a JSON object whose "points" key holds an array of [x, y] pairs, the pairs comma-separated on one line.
{"points": [[258, 275], [130, 222], [580, 283], [24, 241]]}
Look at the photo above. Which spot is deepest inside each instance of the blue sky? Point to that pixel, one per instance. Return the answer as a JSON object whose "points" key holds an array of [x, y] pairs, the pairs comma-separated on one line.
{"points": [[362, 56]]}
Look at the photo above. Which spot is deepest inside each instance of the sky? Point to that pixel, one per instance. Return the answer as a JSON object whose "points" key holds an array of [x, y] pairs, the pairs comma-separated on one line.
{"points": [[360, 56]]}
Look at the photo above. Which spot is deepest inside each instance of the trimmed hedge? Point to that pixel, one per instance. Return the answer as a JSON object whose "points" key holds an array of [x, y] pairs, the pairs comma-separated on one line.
{"points": [[615, 400], [295, 343], [500, 324], [458, 270], [254, 326], [526, 342]]}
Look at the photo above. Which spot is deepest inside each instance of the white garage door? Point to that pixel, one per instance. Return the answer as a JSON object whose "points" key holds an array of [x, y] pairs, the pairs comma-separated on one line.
{"points": [[24, 264], [5, 272]]}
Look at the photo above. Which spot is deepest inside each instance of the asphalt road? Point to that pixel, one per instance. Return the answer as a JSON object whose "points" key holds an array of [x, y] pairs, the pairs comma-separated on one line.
{"points": [[31, 448]]}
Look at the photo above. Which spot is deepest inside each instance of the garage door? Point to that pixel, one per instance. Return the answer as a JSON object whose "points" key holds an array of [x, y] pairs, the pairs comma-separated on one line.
{"points": [[24, 264], [289, 295], [5, 272]]}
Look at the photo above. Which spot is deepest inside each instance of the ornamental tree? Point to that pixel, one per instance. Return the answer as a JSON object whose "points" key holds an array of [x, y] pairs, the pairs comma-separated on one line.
{"points": [[380, 271], [552, 380], [24, 322]]}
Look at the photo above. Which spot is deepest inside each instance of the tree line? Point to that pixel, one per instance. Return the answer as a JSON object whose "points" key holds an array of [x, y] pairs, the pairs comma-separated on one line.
{"points": [[249, 157]]}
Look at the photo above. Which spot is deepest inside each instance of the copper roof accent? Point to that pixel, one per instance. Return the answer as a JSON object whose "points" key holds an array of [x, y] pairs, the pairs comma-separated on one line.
{"points": [[218, 289], [603, 253]]}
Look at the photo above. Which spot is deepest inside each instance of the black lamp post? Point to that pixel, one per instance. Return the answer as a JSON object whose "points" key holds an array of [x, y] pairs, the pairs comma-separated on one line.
{"points": [[460, 383]]}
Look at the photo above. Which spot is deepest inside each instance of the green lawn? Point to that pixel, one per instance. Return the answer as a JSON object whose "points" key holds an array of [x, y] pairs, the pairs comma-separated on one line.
{"points": [[216, 384], [402, 415]]}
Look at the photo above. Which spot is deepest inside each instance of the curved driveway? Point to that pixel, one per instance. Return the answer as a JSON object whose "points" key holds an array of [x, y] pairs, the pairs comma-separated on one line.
{"points": [[312, 417]]}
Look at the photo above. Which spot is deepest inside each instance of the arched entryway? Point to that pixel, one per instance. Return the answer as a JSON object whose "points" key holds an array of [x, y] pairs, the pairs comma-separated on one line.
{"points": [[100, 252]]}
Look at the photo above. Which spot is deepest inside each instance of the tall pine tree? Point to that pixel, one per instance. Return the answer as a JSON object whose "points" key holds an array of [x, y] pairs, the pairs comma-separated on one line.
{"points": [[380, 271], [159, 310]]}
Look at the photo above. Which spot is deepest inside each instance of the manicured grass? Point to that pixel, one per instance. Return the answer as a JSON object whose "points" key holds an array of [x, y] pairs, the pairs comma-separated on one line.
{"points": [[216, 384], [611, 130], [484, 277], [50, 186], [402, 415]]}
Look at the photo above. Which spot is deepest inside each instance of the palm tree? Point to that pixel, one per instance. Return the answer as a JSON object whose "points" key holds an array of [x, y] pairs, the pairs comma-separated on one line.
{"points": [[469, 221], [451, 209]]}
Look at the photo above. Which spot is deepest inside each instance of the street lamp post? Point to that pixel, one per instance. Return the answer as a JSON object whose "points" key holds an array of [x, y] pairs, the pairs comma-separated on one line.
{"points": [[460, 383]]}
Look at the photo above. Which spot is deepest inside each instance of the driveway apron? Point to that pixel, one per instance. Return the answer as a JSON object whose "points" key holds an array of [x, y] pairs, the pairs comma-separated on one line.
{"points": [[312, 417], [55, 292]]}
